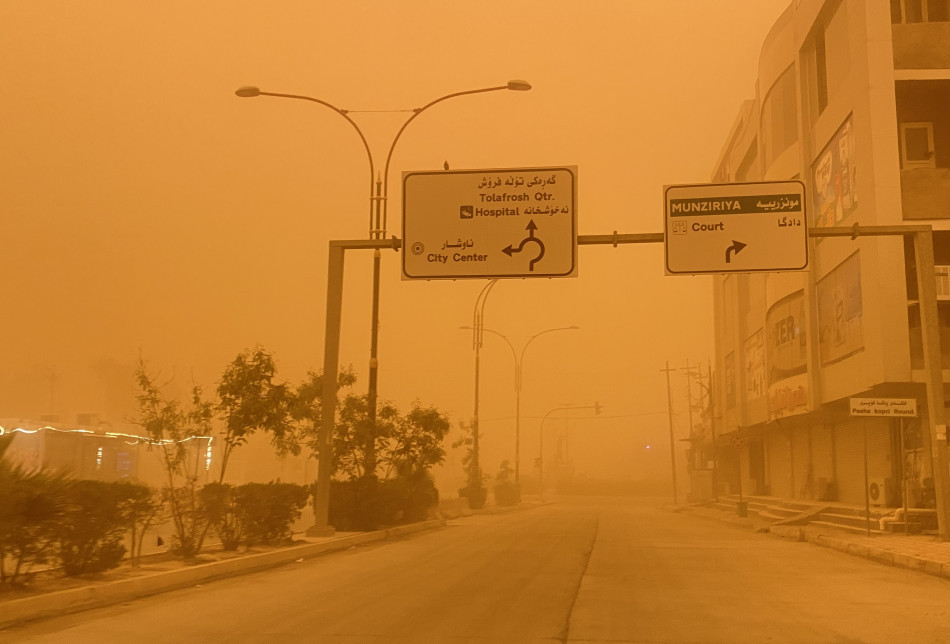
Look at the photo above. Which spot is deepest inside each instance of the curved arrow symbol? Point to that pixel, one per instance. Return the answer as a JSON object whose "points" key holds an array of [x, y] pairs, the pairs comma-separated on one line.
{"points": [[531, 227], [736, 247]]}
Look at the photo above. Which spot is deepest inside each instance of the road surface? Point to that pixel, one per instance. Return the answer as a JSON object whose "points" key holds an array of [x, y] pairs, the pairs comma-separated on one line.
{"points": [[582, 570]]}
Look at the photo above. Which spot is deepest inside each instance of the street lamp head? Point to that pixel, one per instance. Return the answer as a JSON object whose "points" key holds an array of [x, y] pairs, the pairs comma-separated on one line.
{"points": [[248, 91], [519, 85], [573, 327]]}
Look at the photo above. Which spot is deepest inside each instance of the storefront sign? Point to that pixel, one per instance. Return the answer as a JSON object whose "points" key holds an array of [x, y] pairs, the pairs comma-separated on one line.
{"points": [[878, 407]]}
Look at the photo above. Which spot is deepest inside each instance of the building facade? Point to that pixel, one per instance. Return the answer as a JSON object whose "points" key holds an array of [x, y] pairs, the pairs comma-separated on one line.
{"points": [[853, 99]]}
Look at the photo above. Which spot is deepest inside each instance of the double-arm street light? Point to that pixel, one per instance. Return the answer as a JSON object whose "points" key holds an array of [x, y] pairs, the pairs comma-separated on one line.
{"points": [[519, 363], [596, 407], [378, 216]]}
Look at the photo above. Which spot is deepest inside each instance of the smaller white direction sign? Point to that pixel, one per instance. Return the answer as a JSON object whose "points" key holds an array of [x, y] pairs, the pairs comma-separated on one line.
{"points": [[735, 227], [879, 407], [489, 223]]}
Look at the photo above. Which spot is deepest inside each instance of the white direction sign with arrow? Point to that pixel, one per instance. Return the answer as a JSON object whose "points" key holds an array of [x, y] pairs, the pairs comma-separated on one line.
{"points": [[735, 227], [490, 223]]}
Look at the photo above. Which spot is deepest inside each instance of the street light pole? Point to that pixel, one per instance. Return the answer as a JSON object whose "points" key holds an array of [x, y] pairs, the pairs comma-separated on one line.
{"points": [[378, 207], [597, 409], [519, 361], [518, 381], [475, 475]]}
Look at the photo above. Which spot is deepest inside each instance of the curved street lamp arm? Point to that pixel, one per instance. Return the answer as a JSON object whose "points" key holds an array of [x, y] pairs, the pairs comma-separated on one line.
{"points": [[479, 313], [514, 354], [524, 348], [416, 112], [344, 114]]}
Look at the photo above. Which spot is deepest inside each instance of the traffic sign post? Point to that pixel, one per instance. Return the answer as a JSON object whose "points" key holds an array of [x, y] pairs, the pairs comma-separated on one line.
{"points": [[735, 227], [490, 223]]}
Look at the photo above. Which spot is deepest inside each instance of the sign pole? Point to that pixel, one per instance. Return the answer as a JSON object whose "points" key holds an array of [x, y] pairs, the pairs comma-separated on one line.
{"points": [[867, 492]]}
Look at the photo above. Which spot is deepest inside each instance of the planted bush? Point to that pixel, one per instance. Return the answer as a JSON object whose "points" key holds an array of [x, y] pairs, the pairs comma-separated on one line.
{"points": [[355, 505], [269, 510], [97, 515], [507, 492], [364, 504], [31, 507], [223, 513], [409, 498]]}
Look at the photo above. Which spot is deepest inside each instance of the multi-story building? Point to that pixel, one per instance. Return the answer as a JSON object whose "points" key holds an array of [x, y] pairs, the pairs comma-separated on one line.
{"points": [[853, 99]]}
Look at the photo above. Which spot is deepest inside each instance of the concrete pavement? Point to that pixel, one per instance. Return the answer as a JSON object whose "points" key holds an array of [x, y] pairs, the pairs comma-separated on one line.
{"points": [[94, 595], [99, 594], [924, 553]]}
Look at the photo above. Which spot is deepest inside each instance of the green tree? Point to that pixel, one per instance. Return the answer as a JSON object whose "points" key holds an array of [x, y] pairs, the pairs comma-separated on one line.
{"points": [[474, 489], [415, 441], [352, 434], [306, 407], [169, 429], [250, 401], [142, 508]]}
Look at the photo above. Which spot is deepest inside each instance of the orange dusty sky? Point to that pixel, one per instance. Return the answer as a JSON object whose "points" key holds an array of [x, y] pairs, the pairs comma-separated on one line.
{"points": [[146, 208]]}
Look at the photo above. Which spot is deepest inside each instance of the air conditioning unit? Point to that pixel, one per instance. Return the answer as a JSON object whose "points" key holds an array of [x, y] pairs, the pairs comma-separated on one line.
{"points": [[942, 274], [877, 491]]}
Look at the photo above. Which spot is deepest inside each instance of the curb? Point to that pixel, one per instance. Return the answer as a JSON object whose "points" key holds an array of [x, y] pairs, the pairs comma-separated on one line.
{"points": [[73, 600], [880, 555]]}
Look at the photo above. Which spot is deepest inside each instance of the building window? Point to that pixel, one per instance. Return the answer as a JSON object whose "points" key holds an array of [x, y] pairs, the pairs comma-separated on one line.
{"points": [[745, 166], [821, 73], [915, 11], [780, 116], [917, 145], [827, 57]]}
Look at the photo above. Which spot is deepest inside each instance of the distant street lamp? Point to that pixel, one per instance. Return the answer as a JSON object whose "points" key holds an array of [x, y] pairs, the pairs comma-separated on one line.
{"points": [[519, 362], [378, 201], [597, 409]]}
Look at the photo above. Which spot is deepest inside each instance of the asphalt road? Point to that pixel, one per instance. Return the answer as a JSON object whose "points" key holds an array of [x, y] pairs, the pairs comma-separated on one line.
{"points": [[583, 570]]}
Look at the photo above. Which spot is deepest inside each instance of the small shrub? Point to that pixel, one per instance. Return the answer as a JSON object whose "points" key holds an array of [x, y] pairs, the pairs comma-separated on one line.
{"points": [[410, 498], [367, 504], [268, 510], [476, 496], [93, 525], [507, 492], [355, 505], [31, 507], [223, 513]]}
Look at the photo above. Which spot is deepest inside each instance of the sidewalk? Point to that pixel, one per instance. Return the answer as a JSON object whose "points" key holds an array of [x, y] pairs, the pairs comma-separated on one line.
{"points": [[925, 553]]}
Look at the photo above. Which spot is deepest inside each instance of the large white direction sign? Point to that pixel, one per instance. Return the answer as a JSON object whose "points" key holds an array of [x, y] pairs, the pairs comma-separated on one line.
{"points": [[489, 223], [735, 227]]}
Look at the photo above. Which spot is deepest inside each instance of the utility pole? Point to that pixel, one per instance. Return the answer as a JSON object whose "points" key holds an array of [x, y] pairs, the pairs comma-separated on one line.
{"points": [[689, 397], [712, 429], [669, 406]]}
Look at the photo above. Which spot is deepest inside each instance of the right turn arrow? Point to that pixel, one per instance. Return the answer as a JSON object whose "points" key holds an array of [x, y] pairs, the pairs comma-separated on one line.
{"points": [[736, 247]]}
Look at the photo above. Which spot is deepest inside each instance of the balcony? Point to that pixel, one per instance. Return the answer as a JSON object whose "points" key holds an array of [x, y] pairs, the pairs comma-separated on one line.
{"points": [[925, 193], [922, 45]]}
